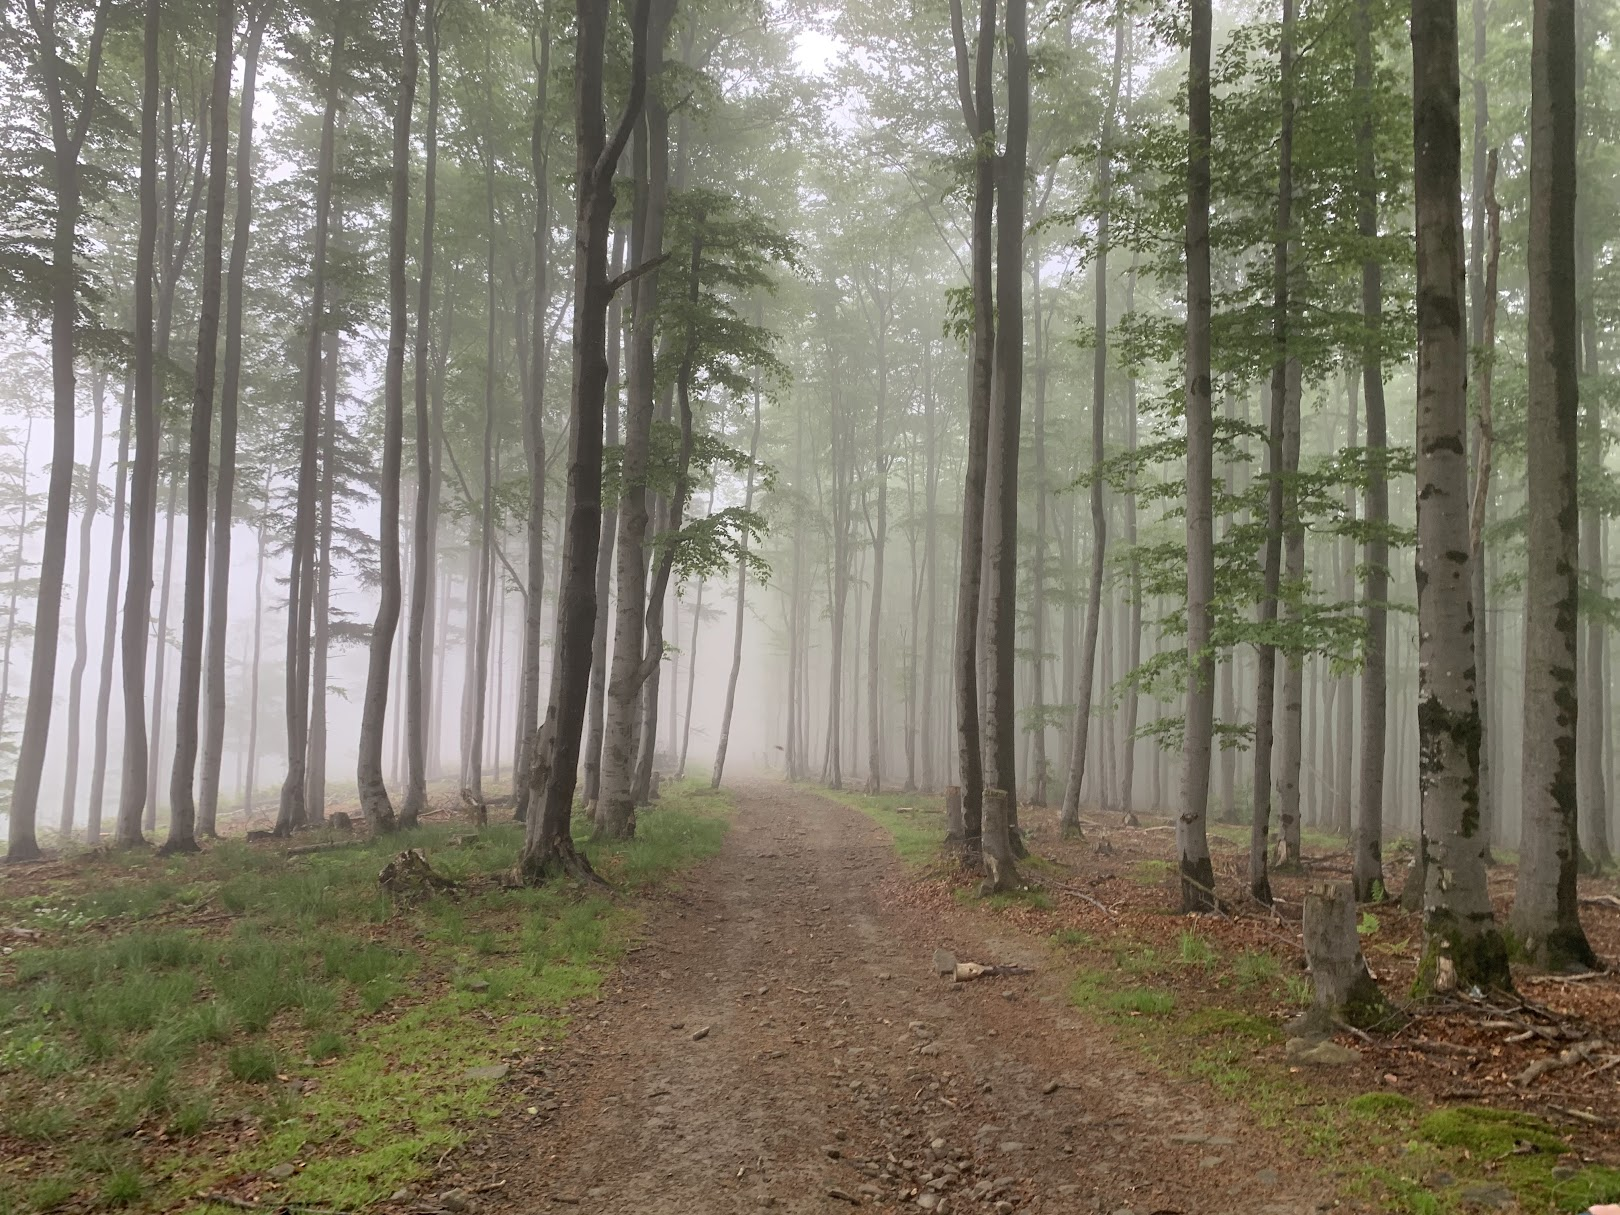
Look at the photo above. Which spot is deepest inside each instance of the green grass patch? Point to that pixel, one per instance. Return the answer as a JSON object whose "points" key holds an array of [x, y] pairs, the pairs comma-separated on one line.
{"points": [[242, 983], [918, 832], [1151, 872]]}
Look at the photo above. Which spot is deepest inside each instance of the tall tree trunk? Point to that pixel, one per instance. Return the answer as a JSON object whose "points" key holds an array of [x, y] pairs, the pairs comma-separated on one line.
{"points": [[418, 643], [742, 603], [1479, 469], [375, 803], [293, 811], [627, 685], [1133, 580], [1368, 865], [321, 631], [931, 568], [161, 663], [534, 429], [880, 534], [1546, 911], [194, 605], [1070, 817], [81, 605], [214, 681], [1462, 942], [976, 86], [1001, 495], [1279, 493], [691, 666], [597, 707], [109, 633], [1192, 843], [67, 140], [1293, 707], [1344, 742], [18, 562], [547, 845], [143, 481], [250, 781]]}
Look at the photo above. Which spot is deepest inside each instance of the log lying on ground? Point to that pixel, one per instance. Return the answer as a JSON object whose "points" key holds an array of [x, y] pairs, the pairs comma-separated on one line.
{"points": [[1343, 991], [946, 964]]}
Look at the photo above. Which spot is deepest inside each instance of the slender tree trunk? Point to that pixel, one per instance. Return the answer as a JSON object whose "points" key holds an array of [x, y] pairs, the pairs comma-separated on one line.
{"points": [[534, 429], [931, 569], [1192, 843], [252, 766], [1001, 494], [418, 645], [691, 665], [1546, 911], [375, 803], [1133, 580], [81, 605], [214, 685], [18, 562], [321, 647], [627, 686], [143, 482], [109, 634], [597, 707], [880, 534], [1462, 943], [547, 846], [194, 599], [1368, 864], [293, 811], [1070, 817], [1344, 741], [67, 139], [1293, 706], [161, 663], [976, 86]]}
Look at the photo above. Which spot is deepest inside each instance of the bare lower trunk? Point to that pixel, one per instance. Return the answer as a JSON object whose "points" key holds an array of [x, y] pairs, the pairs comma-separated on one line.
{"points": [[1192, 843], [161, 658], [109, 635], [81, 607], [250, 781]]}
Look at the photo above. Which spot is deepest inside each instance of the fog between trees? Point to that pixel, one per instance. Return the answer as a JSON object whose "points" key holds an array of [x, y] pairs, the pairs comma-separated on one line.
{"points": [[1197, 411]]}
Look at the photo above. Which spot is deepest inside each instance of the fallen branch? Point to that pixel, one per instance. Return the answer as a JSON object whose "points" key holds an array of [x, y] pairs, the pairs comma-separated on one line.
{"points": [[1080, 894], [306, 849], [968, 971], [1581, 1052], [1601, 900]]}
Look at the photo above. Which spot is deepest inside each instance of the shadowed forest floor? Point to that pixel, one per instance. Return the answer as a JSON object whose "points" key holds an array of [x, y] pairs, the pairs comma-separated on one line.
{"points": [[752, 1023]]}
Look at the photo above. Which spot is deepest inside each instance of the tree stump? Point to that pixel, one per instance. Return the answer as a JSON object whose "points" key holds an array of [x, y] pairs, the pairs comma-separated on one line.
{"points": [[1343, 989], [1001, 874], [409, 873], [954, 828]]}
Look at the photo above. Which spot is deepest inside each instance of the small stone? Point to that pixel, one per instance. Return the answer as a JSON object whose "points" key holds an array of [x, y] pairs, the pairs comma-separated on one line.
{"points": [[1485, 1194], [1266, 1177], [1051, 1087], [400, 1196], [699, 1034], [282, 1171], [455, 1201], [1327, 1053], [831, 1152], [843, 1196], [1209, 1162], [931, 1048], [495, 1071], [938, 1145], [1009, 1146], [840, 1135], [928, 1200], [1004, 1207]]}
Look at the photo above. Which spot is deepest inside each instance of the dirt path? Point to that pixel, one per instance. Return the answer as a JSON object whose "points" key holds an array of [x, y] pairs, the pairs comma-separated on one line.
{"points": [[780, 1042]]}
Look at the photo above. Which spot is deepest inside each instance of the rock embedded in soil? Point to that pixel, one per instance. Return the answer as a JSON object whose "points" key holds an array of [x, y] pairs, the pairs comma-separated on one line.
{"points": [[1322, 1054]]}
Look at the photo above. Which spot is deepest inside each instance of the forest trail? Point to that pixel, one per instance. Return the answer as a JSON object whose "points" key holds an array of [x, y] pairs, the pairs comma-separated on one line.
{"points": [[833, 1060]]}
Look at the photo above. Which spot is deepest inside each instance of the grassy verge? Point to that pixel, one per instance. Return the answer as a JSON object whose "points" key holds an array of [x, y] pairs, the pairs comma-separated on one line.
{"points": [[242, 1017], [1215, 1018], [914, 821]]}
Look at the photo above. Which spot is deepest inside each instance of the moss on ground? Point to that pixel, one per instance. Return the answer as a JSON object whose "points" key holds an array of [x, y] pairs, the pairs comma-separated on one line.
{"points": [[201, 1019]]}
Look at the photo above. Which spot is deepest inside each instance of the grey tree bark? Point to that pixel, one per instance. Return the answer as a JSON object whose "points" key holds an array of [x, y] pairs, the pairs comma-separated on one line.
{"points": [[1069, 819], [375, 803], [293, 811], [1367, 846], [1462, 945], [1192, 841], [81, 604], [214, 683], [1546, 910], [194, 602], [418, 638], [68, 132], [109, 634]]}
